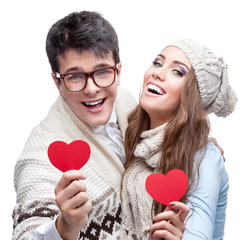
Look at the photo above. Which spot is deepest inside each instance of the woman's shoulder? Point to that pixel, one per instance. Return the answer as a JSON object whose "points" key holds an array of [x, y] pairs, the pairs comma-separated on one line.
{"points": [[213, 154], [210, 153], [212, 164]]}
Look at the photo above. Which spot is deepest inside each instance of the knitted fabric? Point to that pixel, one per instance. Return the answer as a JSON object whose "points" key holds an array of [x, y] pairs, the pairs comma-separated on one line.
{"points": [[136, 210], [211, 72], [208, 198], [35, 178]]}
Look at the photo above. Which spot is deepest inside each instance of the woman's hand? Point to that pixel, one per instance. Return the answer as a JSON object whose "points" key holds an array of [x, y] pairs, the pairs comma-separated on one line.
{"points": [[169, 225], [73, 203]]}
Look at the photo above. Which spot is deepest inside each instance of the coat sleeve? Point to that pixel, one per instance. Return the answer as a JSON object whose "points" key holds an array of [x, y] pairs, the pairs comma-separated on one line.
{"points": [[35, 181], [208, 200]]}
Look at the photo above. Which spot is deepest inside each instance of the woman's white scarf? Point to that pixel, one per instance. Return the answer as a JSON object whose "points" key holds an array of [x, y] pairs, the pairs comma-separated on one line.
{"points": [[136, 203]]}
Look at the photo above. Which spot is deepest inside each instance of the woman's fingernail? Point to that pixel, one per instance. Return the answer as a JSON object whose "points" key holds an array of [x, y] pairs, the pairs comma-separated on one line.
{"points": [[171, 204]]}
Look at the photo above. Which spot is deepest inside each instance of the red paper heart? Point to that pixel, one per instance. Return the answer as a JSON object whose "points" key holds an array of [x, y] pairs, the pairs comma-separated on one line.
{"points": [[67, 157], [167, 188]]}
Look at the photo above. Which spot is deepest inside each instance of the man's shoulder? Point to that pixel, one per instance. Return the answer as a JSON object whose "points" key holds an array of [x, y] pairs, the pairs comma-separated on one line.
{"points": [[126, 98]]}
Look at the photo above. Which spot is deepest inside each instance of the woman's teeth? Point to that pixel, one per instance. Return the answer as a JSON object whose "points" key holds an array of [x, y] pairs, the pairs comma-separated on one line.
{"points": [[154, 89]]}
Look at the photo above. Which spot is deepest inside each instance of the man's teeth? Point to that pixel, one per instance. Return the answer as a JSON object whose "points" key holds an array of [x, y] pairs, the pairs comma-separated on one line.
{"points": [[155, 89], [93, 103]]}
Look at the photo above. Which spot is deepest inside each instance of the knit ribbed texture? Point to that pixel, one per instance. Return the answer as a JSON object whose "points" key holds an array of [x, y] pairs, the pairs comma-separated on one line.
{"points": [[136, 203], [35, 178], [212, 77]]}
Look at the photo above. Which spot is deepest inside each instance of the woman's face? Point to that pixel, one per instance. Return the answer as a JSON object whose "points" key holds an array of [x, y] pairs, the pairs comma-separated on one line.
{"points": [[163, 84]]}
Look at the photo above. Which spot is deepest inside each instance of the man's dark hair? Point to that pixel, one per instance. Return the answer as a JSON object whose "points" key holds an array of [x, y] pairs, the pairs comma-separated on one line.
{"points": [[81, 31]]}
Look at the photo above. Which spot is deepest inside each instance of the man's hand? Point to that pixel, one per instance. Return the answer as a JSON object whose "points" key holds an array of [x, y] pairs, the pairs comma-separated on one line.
{"points": [[73, 203], [214, 140]]}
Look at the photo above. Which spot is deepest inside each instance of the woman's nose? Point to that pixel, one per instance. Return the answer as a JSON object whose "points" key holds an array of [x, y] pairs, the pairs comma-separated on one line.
{"points": [[159, 74]]}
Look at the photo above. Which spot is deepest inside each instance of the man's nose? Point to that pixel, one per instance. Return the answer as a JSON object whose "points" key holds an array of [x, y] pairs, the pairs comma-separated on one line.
{"points": [[91, 87]]}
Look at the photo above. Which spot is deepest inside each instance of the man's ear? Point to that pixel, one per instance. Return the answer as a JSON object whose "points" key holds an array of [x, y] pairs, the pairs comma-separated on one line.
{"points": [[57, 83], [119, 73], [56, 80]]}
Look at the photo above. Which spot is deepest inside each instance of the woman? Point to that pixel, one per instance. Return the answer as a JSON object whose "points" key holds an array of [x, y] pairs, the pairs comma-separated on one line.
{"points": [[169, 129]]}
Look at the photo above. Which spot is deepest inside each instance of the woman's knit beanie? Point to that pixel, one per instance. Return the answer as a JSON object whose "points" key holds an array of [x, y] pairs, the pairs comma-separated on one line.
{"points": [[212, 77]]}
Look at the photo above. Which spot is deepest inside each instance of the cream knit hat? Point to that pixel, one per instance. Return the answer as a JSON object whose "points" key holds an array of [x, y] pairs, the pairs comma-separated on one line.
{"points": [[212, 77]]}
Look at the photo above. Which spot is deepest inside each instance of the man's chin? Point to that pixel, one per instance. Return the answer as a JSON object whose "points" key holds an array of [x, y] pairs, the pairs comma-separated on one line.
{"points": [[98, 122]]}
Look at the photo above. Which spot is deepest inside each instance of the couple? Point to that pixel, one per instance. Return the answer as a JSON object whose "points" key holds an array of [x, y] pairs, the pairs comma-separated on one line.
{"points": [[168, 129]]}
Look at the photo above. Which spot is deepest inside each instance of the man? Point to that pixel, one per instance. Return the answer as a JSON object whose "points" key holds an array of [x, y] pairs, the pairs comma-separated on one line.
{"points": [[84, 56]]}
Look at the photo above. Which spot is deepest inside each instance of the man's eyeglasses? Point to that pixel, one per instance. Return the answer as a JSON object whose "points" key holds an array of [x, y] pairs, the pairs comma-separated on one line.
{"points": [[75, 82]]}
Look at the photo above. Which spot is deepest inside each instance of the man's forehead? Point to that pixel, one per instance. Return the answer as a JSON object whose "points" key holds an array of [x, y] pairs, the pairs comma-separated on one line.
{"points": [[84, 61], [101, 55]]}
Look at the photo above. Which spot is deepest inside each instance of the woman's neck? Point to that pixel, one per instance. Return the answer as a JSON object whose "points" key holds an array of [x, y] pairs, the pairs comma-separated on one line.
{"points": [[155, 124]]}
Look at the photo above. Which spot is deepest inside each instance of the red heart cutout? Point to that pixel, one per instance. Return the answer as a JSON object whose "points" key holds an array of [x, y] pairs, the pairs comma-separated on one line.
{"points": [[71, 156], [167, 188]]}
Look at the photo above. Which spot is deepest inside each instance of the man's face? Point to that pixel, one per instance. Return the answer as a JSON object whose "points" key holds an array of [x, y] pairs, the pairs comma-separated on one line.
{"points": [[93, 104]]}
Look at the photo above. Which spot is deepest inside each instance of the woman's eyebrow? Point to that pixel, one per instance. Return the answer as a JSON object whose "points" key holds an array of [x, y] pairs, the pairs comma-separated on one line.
{"points": [[175, 61], [181, 63], [162, 56]]}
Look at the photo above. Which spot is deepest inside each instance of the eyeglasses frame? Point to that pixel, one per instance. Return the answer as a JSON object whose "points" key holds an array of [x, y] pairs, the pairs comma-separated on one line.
{"points": [[88, 74]]}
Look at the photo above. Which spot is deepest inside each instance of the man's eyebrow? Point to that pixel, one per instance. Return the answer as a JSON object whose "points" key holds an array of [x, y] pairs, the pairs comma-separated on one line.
{"points": [[96, 67], [102, 65], [72, 69]]}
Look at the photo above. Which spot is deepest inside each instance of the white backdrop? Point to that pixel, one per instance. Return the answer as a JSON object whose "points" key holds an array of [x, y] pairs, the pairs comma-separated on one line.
{"points": [[143, 27]]}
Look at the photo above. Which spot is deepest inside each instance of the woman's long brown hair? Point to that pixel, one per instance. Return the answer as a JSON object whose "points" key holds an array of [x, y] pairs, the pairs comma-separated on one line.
{"points": [[185, 134]]}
